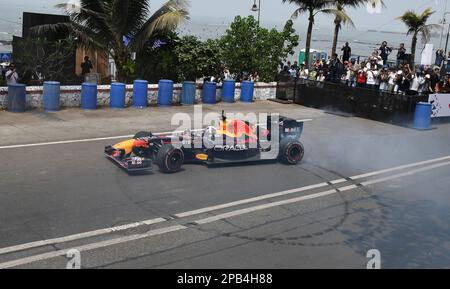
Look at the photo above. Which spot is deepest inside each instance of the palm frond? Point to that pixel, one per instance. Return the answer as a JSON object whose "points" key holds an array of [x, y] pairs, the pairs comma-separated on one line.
{"points": [[166, 18], [340, 15]]}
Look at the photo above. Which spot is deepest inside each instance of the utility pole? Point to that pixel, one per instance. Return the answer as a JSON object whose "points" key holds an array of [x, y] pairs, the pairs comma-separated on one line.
{"points": [[443, 22], [257, 8]]}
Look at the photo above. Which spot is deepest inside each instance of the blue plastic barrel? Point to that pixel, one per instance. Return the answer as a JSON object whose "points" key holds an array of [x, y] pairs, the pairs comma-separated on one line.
{"points": [[89, 96], [188, 93], [247, 91], [16, 98], [165, 92], [140, 93], [118, 91], [209, 92], [52, 92], [422, 116], [228, 90]]}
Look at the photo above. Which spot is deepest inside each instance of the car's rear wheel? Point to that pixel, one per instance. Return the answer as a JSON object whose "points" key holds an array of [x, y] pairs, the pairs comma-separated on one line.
{"points": [[169, 159], [291, 152]]}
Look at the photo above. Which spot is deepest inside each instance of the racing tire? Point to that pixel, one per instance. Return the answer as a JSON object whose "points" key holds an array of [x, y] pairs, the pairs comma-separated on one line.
{"points": [[169, 159], [142, 134], [291, 152]]}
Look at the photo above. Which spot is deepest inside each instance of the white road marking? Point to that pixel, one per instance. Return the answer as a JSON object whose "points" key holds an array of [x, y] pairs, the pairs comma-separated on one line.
{"points": [[289, 192], [78, 236], [313, 196], [200, 211], [89, 247], [102, 244]]}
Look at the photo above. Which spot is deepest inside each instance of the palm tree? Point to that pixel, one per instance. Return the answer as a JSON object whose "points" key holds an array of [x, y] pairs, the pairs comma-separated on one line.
{"points": [[342, 18], [314, 7], [417, 24], [120, 27]]}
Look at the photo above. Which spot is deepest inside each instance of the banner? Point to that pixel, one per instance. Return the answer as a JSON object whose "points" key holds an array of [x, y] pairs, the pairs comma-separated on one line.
{"points": [[427, 55], [5, 57], [440, 105]]}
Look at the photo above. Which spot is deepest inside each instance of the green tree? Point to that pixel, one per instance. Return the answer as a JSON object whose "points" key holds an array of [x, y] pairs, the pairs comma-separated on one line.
{"points": [[50, 59], [246, 47], [155, 63], [179, 59], [417, 24], [106, 24], [312, 8], [196, 58]]}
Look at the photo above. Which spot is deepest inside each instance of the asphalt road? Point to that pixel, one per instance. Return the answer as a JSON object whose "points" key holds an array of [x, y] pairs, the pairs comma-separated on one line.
{"points": [[320, 214]]}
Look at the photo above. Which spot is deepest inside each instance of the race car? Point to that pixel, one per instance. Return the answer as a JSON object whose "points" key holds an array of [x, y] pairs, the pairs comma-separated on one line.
{"points": [[231, 142]]}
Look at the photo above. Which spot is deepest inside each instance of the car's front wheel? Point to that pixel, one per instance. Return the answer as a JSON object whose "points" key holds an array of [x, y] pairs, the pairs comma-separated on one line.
{"points": [[170, 159], [291, 152]]}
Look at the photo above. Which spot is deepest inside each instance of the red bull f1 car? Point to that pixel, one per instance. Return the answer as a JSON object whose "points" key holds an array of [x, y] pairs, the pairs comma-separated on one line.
{"points": [[231, 142]]}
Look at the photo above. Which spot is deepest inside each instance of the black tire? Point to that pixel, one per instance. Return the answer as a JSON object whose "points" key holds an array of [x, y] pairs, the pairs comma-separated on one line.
{"points": [[169, 159], [291, 152], [142, 134]]}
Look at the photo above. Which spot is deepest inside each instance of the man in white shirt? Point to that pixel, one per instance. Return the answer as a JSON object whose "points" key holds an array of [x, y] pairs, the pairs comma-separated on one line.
{"points": [[11, 75]]}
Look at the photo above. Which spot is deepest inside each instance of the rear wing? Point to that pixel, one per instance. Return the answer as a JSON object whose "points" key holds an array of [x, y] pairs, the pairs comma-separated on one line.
{"points": [[288, 127]]}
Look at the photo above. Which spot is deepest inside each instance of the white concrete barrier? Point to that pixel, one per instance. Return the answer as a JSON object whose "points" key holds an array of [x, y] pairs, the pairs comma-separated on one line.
{"points": [[71, 95]]}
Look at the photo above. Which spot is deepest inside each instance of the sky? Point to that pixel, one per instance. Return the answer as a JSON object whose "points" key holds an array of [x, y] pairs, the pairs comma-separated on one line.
{"points": [[273, 12]]}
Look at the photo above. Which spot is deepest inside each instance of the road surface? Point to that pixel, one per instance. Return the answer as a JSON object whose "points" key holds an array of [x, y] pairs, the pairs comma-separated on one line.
{"points": [[363, 185]]}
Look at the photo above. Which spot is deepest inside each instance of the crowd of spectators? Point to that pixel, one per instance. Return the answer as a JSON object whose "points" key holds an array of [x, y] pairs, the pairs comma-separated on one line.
{"points": [[376, 73]]}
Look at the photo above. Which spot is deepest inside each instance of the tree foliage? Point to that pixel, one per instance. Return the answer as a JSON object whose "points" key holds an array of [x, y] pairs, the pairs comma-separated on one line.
{"points": [[179, 59], [120, 27], [52, 60], [246, 47]]}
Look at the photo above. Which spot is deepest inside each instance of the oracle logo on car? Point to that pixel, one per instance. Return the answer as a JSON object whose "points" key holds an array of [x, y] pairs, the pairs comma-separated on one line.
{"points": [[227, 148]]}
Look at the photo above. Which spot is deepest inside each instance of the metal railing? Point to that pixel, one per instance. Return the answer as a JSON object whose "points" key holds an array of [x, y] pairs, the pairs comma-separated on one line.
{"points": [[356, 101]]}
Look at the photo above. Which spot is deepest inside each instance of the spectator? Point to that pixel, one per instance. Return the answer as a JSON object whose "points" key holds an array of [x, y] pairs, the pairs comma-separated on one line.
{"points": [[385, 51], [392, 80], [371, 78], [304, 72], [401, 55], [434, 78], [226, 73], [448, 63], [361, 78], [440, 57], [384, 78], [347, 52], [12, 77], [417, 80], [336, 68], [293, 72], [86, 66], [255, 77]]}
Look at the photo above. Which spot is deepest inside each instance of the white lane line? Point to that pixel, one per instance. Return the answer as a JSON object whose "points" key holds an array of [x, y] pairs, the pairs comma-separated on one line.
{"points": [[400, 168], [293, 191], [312, 196], [410, 173], [98, 245], [78, 236], [89, 247], [82, 140], [196, 212], [251, 200]]}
